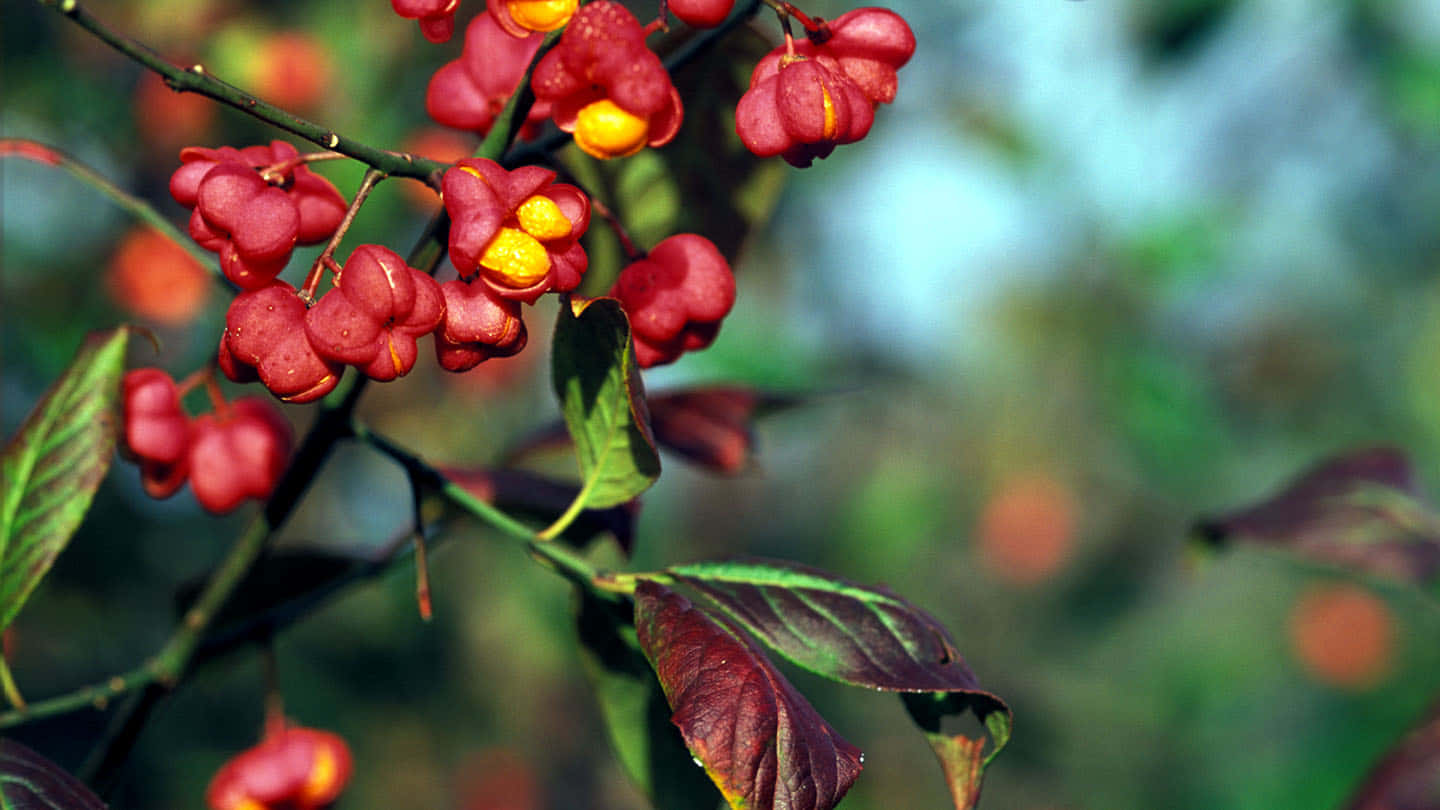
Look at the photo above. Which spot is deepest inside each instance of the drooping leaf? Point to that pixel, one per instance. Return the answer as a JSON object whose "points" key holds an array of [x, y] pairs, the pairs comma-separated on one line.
{"points": [[1408, 777], [759, 740], [713, 426], [636, 715], [525, 494], [603, 401], [54, 464], [29, 781], [863, 636], [1360, 511]]}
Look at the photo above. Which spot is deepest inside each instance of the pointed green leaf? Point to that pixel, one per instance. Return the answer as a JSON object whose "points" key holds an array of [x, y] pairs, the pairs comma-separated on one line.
{"points": [[760, 741], [603, 400], [864, 636], [635, 713], [29, 781], [54, 464]]}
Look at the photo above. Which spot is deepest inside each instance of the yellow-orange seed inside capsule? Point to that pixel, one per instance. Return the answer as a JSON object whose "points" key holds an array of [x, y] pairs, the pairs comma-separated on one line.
{"points": [[541, 15], [247, 803], [541, 218], [604, 130], [827, 130], [516, 259], [320, 785]]}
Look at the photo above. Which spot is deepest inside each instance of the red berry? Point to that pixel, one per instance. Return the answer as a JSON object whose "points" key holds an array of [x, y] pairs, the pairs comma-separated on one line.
{"points": [[469, 92], [676, 298], [265, 337], [478, 325], [870, 44], [518, 230], [238, 454], [701, 13], [155, 431], [294, 769], [801, 109], [437, 17], [372, 317], [606, 86]]}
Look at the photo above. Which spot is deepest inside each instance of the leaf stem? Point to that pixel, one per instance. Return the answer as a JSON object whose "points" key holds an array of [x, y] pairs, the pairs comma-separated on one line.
{"points": [[327, 256], [7, 682], [140, 209], [198, 80]]}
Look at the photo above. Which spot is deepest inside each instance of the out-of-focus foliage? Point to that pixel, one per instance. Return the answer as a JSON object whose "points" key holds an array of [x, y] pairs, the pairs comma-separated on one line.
{"points": [[1120, 263]]}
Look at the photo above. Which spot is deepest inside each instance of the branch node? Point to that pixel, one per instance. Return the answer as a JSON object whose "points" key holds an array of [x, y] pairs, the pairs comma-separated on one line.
{"points": [[198, 69], [332, 141], [68, 7]]}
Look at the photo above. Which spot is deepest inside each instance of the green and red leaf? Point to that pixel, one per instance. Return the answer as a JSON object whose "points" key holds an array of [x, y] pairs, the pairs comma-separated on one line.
{"points": [[54, 464], [29, 781], [1361, 511], [863, 636], [759, 740], [603, 400], [1408, 777]]}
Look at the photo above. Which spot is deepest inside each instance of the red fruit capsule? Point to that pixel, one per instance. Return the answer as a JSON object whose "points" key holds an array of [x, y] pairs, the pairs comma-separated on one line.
{"points": [[155, 431], [238, 454], [478, 325], [701, 13], [265, 338], [469, 92], [436, 17], [675, 298], [293, 769], [801, 108], [372, 317]]}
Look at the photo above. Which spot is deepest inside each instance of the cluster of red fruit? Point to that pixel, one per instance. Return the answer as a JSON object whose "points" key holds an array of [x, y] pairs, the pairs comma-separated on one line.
{"points": [[291, 769], [604, 85], [234, 453]]}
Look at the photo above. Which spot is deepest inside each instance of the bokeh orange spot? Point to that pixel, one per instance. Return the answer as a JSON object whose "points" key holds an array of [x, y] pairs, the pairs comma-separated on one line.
{"points": [[439, 144], [1027, 529], [156, 279], [1343, 636], [498, 779], [167, 119], [292, 70]]}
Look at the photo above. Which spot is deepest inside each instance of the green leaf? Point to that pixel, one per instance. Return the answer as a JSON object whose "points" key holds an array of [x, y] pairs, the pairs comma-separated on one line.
{"points": [[29, 781], [54, 464], [864, 636], [635, 712], [603, 401]]}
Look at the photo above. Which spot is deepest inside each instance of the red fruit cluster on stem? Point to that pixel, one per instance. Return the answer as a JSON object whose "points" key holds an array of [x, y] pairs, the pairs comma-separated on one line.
{"points": [[292, 769], [265, 339], [606, 86], [701, 13], [235, 453], [517, 230], [675, 298], [436, 17], [478, 325], [252, 221], [808, 97], [470, 92], [155, 430], [375, 313]]}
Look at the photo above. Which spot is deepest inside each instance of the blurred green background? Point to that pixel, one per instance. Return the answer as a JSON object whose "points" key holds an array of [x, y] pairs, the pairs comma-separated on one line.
{"points": [[1103, 267]]}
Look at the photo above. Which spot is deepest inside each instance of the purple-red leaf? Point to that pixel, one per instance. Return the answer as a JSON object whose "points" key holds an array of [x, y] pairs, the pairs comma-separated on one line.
{"points": [[863, 636], [1408, 778], [1360, 511], [760, 741], [29, 781], [713, 426]]}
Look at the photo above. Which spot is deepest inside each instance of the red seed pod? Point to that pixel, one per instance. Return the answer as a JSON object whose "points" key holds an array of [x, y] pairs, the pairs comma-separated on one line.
{"points": [[469, 92], [701, 13], [436, 17], [478, 325], [376, 311], [675, 298], [155, 432], [801, 108], [265, 336], [251, 221], [238, 453], [606, 86], [518, 230], [870, 44], [293, 769]]}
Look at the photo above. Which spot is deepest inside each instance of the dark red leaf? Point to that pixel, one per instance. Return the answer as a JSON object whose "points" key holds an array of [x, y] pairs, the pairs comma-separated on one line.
{"points": [[29, 781], [713, 426], [760, 741], [1361, 511], [1407, 778]]}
